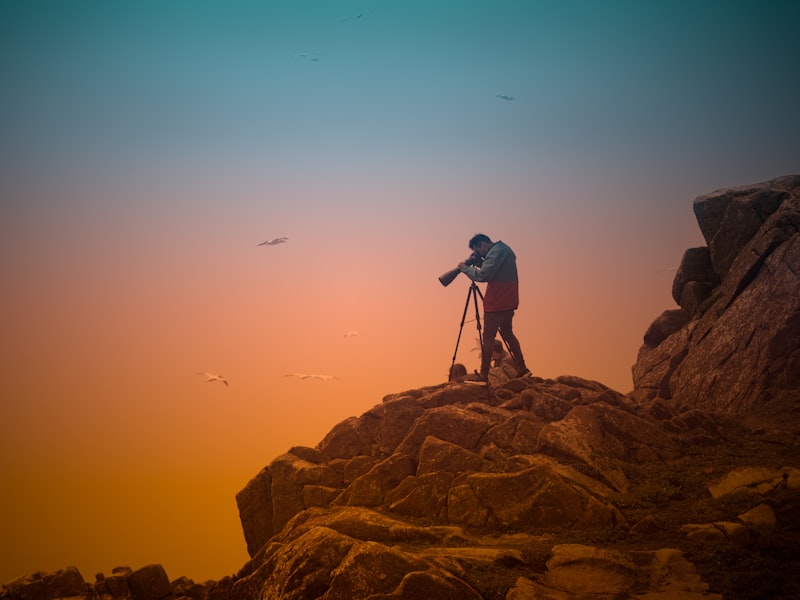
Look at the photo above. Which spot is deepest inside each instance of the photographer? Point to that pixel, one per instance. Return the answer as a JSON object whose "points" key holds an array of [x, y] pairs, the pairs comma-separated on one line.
{"points": [[498, 268]]}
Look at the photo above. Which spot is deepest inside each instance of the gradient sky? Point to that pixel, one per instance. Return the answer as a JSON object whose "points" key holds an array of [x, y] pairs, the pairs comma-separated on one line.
{"points": [[146, 148]]}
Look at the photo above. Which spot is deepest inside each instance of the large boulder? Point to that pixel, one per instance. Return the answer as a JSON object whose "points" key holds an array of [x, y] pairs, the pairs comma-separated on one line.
{"points": [[734, 345], [443, 456], [63, 583]]}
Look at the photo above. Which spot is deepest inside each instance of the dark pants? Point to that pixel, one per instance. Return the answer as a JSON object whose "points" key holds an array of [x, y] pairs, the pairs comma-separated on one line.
{"points": [[492, 323]]}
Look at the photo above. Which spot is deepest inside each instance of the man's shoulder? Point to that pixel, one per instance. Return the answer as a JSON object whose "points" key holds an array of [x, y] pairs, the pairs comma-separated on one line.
{"points": [[500, 247]]}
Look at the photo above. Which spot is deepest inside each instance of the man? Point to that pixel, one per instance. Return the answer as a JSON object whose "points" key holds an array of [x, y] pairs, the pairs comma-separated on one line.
{"points": [[499, 271]]}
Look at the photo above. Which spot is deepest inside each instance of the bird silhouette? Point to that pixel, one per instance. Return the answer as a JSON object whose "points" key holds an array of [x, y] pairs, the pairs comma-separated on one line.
{"points": [[213, 377], [274, 242], [351, 334], [311, 376]]}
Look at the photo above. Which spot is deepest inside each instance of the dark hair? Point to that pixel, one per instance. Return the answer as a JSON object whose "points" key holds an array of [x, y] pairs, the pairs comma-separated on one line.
{"points": [[478, 239]]}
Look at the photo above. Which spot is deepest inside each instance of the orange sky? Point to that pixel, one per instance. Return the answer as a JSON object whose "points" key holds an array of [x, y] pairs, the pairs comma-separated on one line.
{"points": [[116, 452], [147, 149]]}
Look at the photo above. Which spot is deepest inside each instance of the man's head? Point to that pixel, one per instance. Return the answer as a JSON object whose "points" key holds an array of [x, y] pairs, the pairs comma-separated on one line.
{"points": [[480, 243]]}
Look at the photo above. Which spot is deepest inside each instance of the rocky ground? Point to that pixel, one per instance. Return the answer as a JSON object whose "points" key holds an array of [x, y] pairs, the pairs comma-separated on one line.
{"points": [[710, 510]]}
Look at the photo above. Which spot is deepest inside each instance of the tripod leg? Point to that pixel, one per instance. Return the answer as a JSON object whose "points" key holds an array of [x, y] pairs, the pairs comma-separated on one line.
{"points": [[475, 291], [460, 329]]}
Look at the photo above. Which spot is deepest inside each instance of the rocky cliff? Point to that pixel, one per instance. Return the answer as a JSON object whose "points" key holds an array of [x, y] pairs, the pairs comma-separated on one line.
{"points": [[732, 346], [689, 487]]}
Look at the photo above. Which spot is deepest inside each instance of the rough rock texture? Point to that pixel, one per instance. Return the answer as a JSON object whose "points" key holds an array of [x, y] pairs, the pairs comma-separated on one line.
{"points": [[148, 583], [560, 489], [459, 456], [734, 345], [463, 491]]}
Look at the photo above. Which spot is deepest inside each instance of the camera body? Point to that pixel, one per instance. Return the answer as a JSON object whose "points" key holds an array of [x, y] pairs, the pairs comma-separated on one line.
{"points": [[475, 260]]}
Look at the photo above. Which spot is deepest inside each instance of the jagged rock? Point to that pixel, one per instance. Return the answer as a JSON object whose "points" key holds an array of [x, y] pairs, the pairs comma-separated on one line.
{"points": [[740, 351], [255, 510], [544, 460], [695, 269], [183, 587], [63, 583], [755, 480], [115, 585], [468, 463], [149, 583], [577, 571], [760, 517]]}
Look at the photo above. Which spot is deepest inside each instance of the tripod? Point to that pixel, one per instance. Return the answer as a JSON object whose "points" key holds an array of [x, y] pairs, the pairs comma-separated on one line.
{"points": [[472, 294]]}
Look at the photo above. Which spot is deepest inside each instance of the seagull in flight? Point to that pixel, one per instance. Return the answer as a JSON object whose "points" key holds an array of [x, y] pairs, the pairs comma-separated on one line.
{"points": [[351, 334], [311, 376], [274, 242], [505, 97], [213, 377]]}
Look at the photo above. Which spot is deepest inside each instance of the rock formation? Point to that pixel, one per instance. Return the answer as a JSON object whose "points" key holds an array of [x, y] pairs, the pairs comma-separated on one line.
{"points": [[689, 487], [733, 345]]}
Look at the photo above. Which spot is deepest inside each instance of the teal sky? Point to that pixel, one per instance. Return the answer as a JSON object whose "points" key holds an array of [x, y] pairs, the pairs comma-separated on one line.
{"points": [[147, 148], [137, 86]]}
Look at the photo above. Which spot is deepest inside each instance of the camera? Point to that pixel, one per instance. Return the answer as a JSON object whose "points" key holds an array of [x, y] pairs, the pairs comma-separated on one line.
{"points": [[474, 260]]}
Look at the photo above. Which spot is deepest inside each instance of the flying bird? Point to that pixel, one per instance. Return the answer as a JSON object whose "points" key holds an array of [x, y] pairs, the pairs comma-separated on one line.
{"points": [[505, 97], [311, 376], [274, 242], [312, 56], [213, 377], [351, 334]]}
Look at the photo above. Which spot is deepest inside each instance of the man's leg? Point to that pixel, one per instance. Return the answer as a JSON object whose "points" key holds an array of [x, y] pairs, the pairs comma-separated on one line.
{"points": [[491, 321], [507, 331]]}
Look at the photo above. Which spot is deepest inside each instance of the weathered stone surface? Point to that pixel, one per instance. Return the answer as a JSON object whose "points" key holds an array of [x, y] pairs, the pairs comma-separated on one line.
{"points": [[63, 583], [665, 325], [755, 480], [255, 510], [760, 517], [468, 463], [695, 267], [149, 583], [740, 351]]}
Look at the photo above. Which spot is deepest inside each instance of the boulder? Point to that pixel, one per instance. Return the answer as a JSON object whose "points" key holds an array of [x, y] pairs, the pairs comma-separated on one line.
{"points": [[735, 347], [63, 583], [149, 583]]}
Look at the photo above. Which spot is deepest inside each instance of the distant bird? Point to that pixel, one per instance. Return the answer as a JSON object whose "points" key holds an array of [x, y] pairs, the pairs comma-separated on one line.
{"points": [[274, 242], [667, 269], [311, 376], [351, 334], [213, 377], [355, 17], [505, 97], [312, 56]]}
